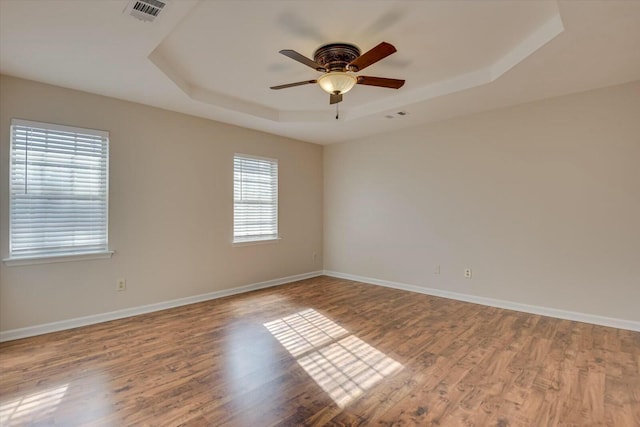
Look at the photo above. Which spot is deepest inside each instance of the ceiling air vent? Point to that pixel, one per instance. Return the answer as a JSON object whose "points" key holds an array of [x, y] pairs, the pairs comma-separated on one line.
{"points": [[145, 10]]}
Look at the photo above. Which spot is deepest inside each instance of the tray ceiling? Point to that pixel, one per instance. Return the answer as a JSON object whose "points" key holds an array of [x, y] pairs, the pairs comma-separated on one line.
{"points": [[217, 59]]}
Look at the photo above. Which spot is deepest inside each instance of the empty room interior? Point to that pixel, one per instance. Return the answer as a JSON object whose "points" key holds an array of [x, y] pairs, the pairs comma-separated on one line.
{"points": [[320, 213]]}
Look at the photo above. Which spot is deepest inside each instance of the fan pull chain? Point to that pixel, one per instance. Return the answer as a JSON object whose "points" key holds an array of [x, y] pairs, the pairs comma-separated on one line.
{"points": [[337, 111]]}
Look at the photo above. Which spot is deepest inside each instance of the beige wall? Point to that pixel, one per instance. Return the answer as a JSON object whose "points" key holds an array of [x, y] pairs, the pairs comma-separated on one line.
{"points": [[542, 201], [170, 209]]}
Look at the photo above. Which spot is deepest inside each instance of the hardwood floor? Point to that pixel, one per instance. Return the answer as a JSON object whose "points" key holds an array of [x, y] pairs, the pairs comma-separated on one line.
{"points": [[325, 351]]}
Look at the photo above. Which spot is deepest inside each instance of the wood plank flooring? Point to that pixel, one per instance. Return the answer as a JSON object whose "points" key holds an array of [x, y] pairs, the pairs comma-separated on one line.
{"points": [[325, 351]]}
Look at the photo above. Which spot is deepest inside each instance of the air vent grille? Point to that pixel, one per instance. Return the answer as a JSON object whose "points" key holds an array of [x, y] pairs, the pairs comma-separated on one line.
{"points": [[145, 10]]}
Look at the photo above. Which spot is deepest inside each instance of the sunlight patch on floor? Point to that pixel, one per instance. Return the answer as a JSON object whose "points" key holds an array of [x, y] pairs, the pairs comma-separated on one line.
{"points": [[341, 363], [304, 331], [19, 411]]}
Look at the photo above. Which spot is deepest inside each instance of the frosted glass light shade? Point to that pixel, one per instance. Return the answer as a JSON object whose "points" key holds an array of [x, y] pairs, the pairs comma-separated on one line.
{"points": [[337, 81]]}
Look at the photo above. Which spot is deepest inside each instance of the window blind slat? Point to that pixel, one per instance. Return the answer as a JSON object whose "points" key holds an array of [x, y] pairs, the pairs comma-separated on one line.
{"points": [[255, 192], [58, 190]]}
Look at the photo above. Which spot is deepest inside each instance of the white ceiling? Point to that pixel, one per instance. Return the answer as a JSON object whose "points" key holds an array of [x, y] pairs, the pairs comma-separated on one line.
{"points": [[217, 59]]}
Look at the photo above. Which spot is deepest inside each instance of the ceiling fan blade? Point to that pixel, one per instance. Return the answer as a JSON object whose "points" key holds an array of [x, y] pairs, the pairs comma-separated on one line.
{"points": [[302, 59], [381, 82], [306, 82], [334, 98], [372, 56]]}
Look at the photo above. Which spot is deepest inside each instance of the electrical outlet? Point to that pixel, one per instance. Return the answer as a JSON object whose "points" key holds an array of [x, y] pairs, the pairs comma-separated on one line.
{"points": [[315, 256], [436, 269], [121, 285], [467, 273]]}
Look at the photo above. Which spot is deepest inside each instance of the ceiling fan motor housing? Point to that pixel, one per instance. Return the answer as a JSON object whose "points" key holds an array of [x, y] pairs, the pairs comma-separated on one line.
{"points": [[336, 56]]}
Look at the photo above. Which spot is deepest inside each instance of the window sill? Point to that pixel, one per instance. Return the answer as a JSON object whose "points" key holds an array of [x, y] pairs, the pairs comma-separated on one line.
{"points": [[55, 259], [255, 242]]}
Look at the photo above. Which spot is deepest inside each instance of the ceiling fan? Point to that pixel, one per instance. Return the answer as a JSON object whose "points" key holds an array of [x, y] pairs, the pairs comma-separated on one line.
{"points": [[339, 62]]}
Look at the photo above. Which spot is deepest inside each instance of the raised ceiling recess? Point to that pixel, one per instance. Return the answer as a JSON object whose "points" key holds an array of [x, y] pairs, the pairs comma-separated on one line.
{"points": [[479, 43]]}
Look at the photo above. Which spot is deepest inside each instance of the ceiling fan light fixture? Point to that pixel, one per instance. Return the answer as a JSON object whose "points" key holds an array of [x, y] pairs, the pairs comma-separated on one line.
{"points": [[337, 82]]}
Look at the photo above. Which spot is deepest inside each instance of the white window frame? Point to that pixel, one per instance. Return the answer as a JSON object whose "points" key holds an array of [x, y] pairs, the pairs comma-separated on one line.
{"points": [[239, 237], [39, 252]]}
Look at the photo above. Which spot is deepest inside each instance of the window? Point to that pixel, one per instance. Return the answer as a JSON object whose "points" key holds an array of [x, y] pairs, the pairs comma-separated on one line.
{"points": [[59, 190], [255, 198]]}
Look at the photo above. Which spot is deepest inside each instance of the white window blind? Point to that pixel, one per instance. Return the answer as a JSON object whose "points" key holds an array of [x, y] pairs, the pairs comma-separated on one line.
{"points": [[255, 194], [59, 190]]}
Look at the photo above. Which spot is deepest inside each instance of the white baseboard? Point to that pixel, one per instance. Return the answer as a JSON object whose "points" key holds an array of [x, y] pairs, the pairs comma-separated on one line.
{"points": [[509, 305], [46, 328]]}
